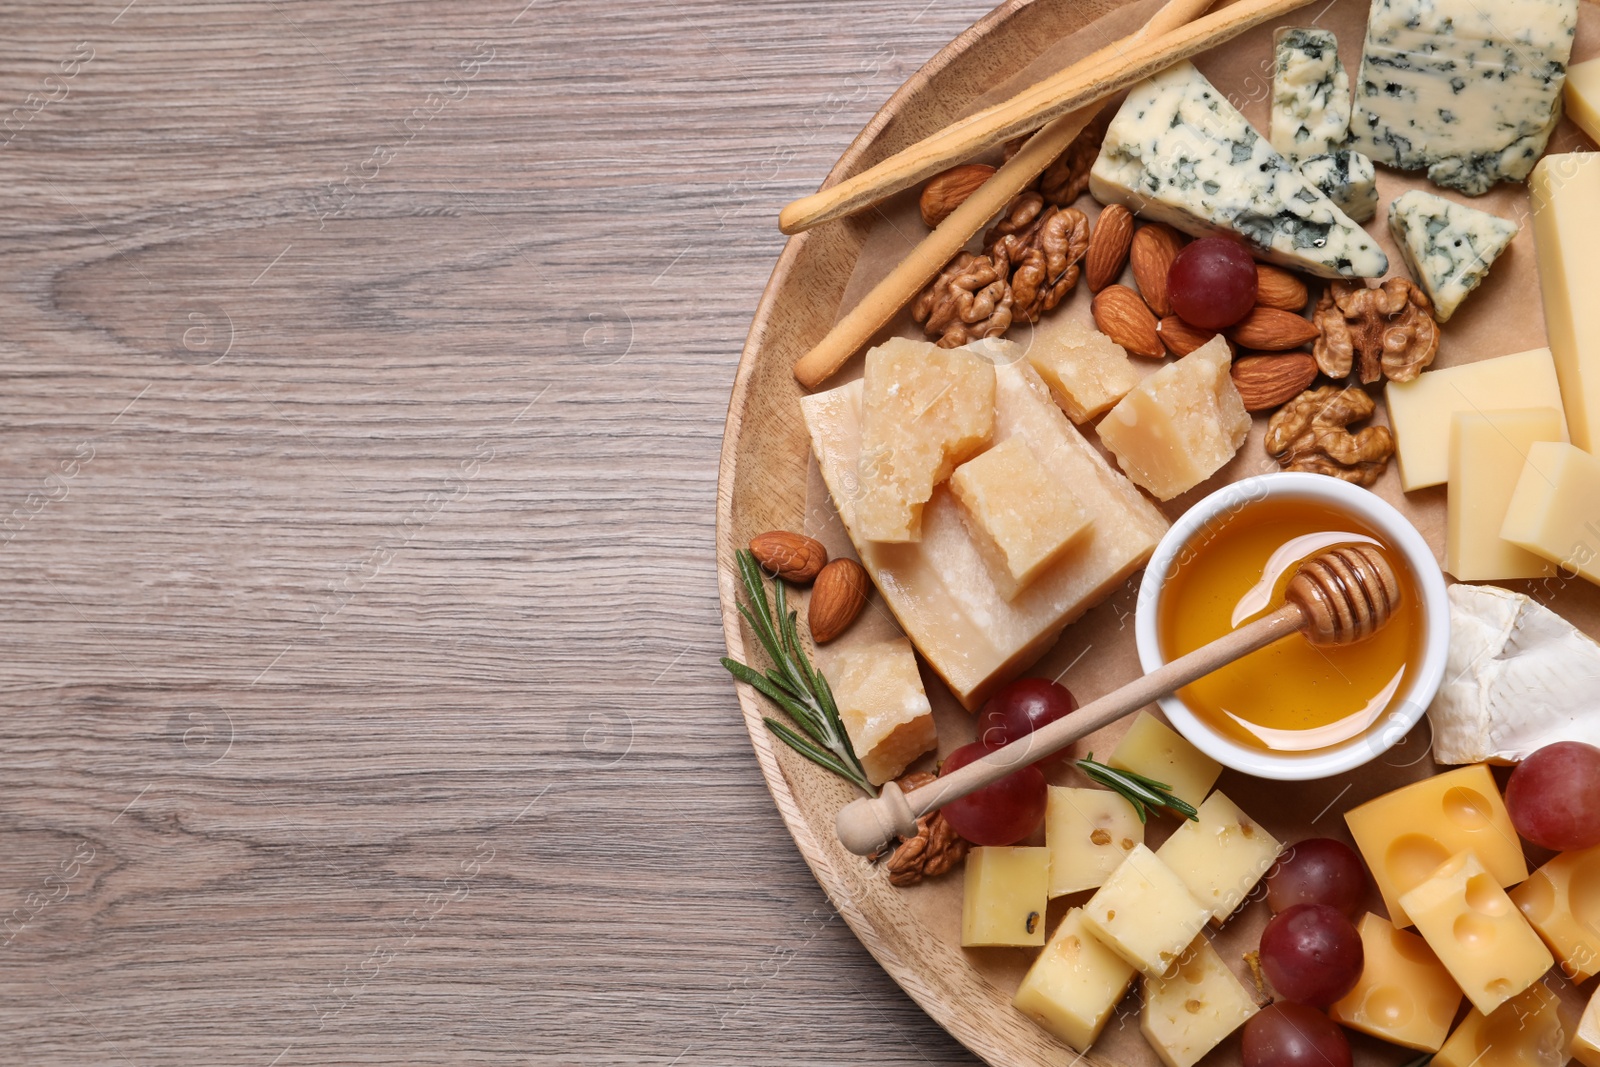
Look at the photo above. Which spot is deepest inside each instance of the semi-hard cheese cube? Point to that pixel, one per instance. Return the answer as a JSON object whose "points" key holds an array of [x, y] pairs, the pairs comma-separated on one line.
{"points": [[1448, 247], [1532, 1029], [1086, 370], [1190, 1012], [1310, 93], [1421, 410], [1221, 856], [1021, 518], [1487, 452], [1145, 913], [923, 410], [1157, 751], [1089, 833], [1582, 96], [1181, 424], [1477, 933], [941, 590], [1404, 996], [1347, 178], [1586, 1042], [1562, 901], [1565, 190], [1406, 834], [1555, 508], [882, 705], [1004, 900], [1075, 983]]}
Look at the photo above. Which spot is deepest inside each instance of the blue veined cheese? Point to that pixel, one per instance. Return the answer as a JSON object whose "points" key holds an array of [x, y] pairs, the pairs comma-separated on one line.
{"points": [[1468, 90], [1448, 246], [1179, 153], [1347, 178], [1310, 93]]}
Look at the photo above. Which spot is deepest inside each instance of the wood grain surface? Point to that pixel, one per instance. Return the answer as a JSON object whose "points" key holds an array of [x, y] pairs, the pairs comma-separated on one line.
{"points": [[364, 372]]}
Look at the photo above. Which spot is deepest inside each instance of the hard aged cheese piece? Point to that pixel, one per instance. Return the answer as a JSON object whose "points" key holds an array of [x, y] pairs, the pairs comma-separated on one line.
{"points": [[1089, 833], [1448, 247], [1310, 93], [1074, 984], [1562, 901], [1582, 96], [1188, 1014], [1347, 178], [1420, 410], [1406, 834], [1021, 518], [1181, 424], [923, 410], [1087, 371], [1555, 508], [941, 590], [1477, 933], [1221, 857], [1156, 750], [1469, 91], [1586, 1043], [1404, 996], [1178, 152], [1487, 451], [1004, 899], [1145, 913], [1565, 190], [1532, 1029], [881, 703]]}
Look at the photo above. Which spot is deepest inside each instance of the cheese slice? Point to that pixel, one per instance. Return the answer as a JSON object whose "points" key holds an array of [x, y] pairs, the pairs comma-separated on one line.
{"points": [[882, 705], [1004, 899], [1157, 751], [1310, 93], [1404, 994], [1145, 913], [1555, 509], [1532, 1029], [1562, 901], [1582, 96], [1347, 178], [1074, 984], [1189, 1012], [1089, 832], [1565, 190], [1221, 855], [1449, 247], [1086, 370], [1586, 1043], [1487, 451]]}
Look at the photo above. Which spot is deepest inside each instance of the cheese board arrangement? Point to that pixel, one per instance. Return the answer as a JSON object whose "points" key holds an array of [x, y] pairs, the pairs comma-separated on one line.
{"points": [[1159, 534]]}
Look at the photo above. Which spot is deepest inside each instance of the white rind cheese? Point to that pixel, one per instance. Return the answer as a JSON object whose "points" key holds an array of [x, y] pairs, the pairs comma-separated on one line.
{"points": [[1468, 91], [1310, 93], [1449, 247], [1178, 152], [1347, 178]]}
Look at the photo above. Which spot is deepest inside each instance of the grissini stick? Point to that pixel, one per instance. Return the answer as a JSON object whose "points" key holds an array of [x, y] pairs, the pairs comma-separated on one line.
{"points": [[1336, 597]]}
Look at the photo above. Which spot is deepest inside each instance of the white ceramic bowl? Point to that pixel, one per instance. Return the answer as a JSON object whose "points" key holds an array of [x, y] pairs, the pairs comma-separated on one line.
{"points": [[1408, 704]]}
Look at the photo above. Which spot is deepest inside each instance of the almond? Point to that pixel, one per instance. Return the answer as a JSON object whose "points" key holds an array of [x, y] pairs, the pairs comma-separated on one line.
{"points": [[1277, 288], [1181, 338], [1154, 248], [837, 598], [1271, 381], [1272, 329], [790, 556], [945, 191], [1108, 248], [1123, 317]]}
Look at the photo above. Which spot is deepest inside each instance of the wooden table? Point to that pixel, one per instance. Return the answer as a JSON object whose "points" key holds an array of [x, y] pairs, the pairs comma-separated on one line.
{"points": [[364, 376]]}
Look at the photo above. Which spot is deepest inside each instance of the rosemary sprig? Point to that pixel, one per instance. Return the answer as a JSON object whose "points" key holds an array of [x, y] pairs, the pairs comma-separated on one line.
{"points": [[792, 682], [1143, 793]]}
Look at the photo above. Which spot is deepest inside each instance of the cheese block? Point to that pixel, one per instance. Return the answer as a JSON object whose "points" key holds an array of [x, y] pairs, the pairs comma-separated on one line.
{"points": [[1487, 451], [1075, 983], [1565, 192], [1089, 833], [1310, 93], [1555, 508], [1448, 247], [1188, 1013], [1181, 424], [1586, 1042], [941, 590], [1021, 517], [1404, 995], [1004, 897], [1477, 933], [1178, 152], [1420, 411], [1347, 178], [1406, 834], [882, 705], [1582, 96], [1468, 91], [924, 409], [1087, 371], [1145, 913], [1152, 748], [1532, 1029], [1517, 677], [1562, 901], [1221, 856]]}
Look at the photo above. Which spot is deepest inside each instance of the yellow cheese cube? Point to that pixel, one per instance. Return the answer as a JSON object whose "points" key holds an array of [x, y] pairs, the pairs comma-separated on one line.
{"points": [[1420, 411], [940, 589], [1005, 900], [1565, 191], [1582, 96], [1089, 833], [1406, 834], [1562, 901], [1074, 984], [1404, 996], [1156, 750], [1586, 1042], [1187, 1014], [923, 411], [1477, 933], [882, 705], [1532, 1029], [1221, 857], [1087, 371], [1487, 450], [1177, 427], [1021, 518], [1145, 912], [1555, 509]]}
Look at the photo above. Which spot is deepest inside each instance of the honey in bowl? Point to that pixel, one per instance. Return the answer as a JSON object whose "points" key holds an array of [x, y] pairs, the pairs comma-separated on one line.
{"points": [[1291, 696]]}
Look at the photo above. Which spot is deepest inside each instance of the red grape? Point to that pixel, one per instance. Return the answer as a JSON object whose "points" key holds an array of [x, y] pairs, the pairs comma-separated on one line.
{"points": [[1319, 871], [1001, 813], [1312, 954], [1292, 1035], [1018, 709], [1212, 283], [1554, 796]]}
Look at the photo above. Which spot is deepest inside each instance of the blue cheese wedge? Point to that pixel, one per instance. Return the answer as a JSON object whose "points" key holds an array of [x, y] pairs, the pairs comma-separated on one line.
{"points": [[1347, 178], [1448, 246], [1469, 91], [1310, 93], [1178, 152]]}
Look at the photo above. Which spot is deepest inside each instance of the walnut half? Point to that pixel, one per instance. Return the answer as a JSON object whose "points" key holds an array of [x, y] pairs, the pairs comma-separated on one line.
{"points": [[970, 300], [1043, 245], [934, 850], [1391, 328], [1312, 433]]}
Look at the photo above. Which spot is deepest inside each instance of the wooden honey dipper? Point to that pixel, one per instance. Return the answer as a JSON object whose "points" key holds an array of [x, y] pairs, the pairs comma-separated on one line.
{"points": [[1337, 597]]}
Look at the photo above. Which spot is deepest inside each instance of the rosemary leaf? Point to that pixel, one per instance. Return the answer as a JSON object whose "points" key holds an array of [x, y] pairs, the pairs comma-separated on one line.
{"points": [[1142, 792]]}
